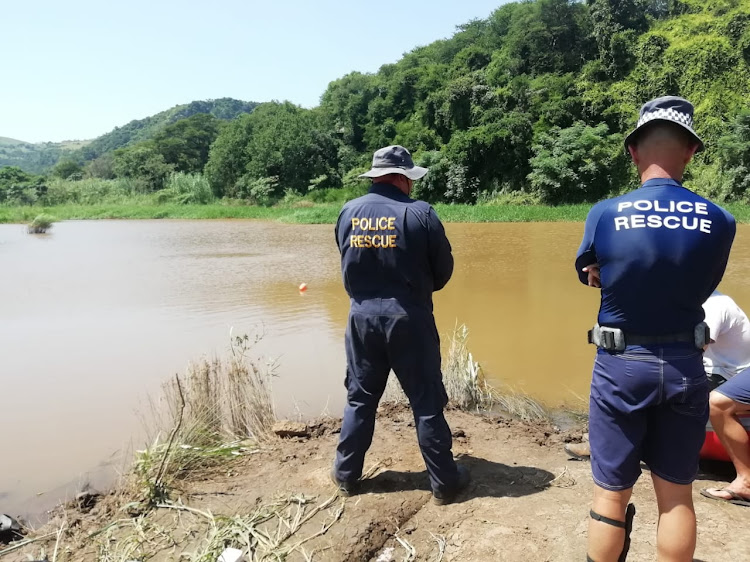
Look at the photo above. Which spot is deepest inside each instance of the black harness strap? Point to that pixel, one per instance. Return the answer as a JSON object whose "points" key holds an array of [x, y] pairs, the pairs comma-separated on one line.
{"points": [[627, 525], [596, 517]]}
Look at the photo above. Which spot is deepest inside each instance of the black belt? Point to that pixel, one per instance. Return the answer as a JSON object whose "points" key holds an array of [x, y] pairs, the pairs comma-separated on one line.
{"points": [[680, 337]]}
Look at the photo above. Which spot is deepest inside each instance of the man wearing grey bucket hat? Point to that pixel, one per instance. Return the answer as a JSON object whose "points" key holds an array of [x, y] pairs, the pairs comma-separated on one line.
{"points": [[394, 160], [394, 255], [656, 253]]}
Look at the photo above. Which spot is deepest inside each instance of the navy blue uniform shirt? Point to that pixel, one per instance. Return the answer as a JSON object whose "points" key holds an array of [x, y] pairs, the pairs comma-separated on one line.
{"points": [[392, 247], [662, 251]]}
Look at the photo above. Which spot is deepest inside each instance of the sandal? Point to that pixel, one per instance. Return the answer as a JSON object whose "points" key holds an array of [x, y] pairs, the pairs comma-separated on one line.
{"points": [[734, 499]]}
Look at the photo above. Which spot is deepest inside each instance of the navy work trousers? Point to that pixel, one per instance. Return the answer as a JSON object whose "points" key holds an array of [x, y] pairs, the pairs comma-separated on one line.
{"points": [[382, 335]]}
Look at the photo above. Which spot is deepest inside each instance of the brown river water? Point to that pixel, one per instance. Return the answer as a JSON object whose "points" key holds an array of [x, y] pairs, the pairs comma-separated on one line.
{"points": [[95, 315]]}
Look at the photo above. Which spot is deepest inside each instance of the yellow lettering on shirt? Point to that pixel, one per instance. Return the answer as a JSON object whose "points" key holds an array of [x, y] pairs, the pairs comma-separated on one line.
{"points": [[372, 225]]}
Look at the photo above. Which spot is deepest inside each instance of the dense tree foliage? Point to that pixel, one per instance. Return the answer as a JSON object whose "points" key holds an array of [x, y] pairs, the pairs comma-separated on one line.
{"points": [[185, 144], [278, 146], [20, 188], [576, 164], [68, 169], [533, 100]]}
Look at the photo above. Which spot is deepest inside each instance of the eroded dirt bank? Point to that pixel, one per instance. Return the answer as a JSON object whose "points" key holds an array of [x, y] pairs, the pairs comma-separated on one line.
{"points": [[527, 501]]}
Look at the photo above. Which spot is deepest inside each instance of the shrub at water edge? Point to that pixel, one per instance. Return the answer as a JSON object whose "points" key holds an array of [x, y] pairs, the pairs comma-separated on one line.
{"points": [[41, 224]]}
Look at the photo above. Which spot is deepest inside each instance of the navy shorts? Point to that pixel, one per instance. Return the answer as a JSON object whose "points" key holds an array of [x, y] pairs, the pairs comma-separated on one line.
{"points": [[650, 405], [737, 388]]}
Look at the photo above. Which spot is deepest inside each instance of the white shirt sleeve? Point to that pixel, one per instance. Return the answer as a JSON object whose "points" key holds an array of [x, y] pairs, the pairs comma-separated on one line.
{"points": [[716, 316]]}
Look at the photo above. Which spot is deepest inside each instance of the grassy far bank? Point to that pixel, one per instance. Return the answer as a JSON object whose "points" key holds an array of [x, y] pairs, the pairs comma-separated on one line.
{"points": [[324, 213], [316, 214], [190, 196]]}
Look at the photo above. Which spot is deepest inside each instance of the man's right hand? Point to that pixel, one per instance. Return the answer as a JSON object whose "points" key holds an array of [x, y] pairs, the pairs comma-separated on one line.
{"points": [[594, 275]]}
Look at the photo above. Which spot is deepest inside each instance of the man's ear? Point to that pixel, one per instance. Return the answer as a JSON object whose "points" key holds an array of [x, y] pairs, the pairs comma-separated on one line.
{"points": [[633, 153]]}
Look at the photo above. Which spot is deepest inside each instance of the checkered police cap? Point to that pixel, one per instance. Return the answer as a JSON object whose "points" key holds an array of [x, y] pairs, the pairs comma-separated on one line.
{"points": [[667, 108]]}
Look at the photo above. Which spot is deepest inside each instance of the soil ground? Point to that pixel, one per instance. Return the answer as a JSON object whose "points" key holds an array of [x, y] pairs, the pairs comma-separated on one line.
{"points": [[527, 501]]}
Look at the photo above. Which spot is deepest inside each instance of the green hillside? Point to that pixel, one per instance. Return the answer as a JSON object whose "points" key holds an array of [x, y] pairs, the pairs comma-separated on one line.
{"points": [[530, 104], [5, 141], [144, 129], [33, 158], [38, 158]]}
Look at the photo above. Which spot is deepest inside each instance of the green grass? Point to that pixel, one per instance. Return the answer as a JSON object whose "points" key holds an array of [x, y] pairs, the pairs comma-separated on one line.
{"points": [[315, 214]]}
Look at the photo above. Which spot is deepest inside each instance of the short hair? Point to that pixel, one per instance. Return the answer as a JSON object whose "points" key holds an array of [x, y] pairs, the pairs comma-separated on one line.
{"points": [[664, 130]]}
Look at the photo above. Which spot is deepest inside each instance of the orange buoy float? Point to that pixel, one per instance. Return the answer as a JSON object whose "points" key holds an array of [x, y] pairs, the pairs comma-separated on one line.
{"points": [[303, 287]]}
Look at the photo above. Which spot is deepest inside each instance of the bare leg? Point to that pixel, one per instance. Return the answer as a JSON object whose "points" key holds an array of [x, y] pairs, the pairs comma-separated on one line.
{"points": [[676, 533], [734, 437], [606, 541]]}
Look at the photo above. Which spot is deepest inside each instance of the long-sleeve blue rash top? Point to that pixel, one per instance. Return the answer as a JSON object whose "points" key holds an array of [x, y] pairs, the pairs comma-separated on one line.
{"points": [[392, 246], [661, 250]]}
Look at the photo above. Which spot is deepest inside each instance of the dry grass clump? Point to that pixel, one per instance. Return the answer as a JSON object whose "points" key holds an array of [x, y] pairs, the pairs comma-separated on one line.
{"points": [[468, 389], [270, 532], [273, 530], [225, 399], [219, 409]]}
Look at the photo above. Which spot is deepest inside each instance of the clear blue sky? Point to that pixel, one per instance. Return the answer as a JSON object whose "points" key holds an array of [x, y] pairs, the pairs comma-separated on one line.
{"points": [[75, 70]]}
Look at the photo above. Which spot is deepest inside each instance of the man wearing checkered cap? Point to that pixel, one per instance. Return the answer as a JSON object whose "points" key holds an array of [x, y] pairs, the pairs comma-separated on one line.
{"points": [[657, 253]]}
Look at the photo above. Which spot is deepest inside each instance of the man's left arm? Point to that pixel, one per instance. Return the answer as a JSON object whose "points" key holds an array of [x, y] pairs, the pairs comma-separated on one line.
{"points": [[586, 263], [440, 251]]}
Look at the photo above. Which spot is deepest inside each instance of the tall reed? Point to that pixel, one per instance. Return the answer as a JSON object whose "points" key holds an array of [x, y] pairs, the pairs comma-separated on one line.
{"points": [[468, 389]]}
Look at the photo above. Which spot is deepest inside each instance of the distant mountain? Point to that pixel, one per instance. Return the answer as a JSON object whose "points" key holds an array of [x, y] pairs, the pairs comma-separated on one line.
{"points": [[5, 141], [33, 157], [39, 157], [143, 129]]}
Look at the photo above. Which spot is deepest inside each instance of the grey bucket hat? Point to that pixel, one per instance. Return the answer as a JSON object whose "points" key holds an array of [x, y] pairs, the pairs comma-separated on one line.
{"points": [[394, 160], [667, 108]]}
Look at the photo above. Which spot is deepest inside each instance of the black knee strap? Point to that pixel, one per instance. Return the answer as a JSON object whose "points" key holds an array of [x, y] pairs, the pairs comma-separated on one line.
{"points": [[627, 525], [596, 517]]}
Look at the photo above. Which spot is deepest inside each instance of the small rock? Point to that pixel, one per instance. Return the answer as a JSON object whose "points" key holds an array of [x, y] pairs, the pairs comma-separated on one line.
{"points": [[288, 428], [459, 433]]}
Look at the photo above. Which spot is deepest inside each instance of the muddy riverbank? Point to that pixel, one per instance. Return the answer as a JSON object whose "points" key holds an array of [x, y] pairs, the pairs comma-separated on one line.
{"points": [[527, 501]]}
